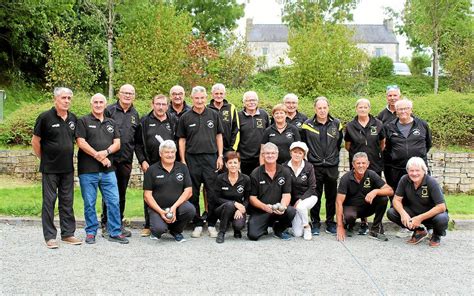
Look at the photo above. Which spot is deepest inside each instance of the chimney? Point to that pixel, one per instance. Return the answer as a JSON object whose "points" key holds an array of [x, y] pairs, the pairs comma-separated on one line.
{"points": [[248, 27], [388, 24]]}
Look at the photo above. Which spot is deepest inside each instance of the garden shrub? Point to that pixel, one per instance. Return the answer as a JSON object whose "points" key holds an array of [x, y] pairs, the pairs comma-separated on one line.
{"points": [[380, 67]]}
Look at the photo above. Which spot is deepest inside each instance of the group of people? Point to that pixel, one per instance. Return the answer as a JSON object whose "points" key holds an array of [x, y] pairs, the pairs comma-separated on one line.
{"points": [[273, 170]]}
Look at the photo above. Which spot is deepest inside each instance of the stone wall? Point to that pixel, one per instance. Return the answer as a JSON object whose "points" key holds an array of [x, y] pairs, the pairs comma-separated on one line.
{"points": [[454, 171]]}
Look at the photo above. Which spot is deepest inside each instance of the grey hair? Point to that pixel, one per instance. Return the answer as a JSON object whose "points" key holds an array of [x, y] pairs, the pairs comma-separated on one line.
{"points": [[397, 89], [218, 86], [290, 96], [362, 100], [318, 99], [168, 144], [100, 96], [249, 93], [404, 101], [198, 89], [417, 162], [60, 90], [175, 87], [359, 155], [269, 146]]}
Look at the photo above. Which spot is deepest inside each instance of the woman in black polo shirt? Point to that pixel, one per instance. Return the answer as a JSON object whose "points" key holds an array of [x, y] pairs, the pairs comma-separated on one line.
{"points": [[280, 133], [303, 189], [232, 197]]}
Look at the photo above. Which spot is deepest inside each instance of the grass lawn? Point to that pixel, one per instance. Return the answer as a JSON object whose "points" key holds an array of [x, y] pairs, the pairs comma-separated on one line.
{"points": [[25, 200]]}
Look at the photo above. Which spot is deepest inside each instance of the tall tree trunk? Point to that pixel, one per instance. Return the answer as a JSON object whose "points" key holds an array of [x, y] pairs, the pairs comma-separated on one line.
{"points": [[435, 65], [110, 37]]}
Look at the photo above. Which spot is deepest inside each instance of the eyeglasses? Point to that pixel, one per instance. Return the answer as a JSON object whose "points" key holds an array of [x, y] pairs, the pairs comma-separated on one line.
{"points": [[393, 87], [404, 109], [127, 93], [177, 94]]}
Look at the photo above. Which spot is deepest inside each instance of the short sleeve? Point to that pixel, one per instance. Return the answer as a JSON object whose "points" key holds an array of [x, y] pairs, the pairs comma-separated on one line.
{"points": [[148, 180], [342, 189], [81, 131]]}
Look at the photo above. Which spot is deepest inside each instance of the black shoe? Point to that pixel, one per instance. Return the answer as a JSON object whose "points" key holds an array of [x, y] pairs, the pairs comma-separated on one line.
{"points": [[331, 228], [220, 237], [349, 230], [90, 239], [364, 229], [237, 234], [121, 239], [315, 230]]}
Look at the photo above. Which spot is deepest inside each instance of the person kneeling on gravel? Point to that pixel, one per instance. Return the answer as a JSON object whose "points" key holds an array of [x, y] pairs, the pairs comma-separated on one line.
{"points": [[167, 187], [419, 200], [361, 193]]}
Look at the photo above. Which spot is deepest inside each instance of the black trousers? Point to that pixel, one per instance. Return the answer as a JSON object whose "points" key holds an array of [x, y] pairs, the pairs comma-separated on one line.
{"points": [[61, 187], [393, 177], [259, 222], [123, 171], [184, 213], [326, 179], [378, 206], [202, 168], [248, 165], [438, 223], [226, 212]]}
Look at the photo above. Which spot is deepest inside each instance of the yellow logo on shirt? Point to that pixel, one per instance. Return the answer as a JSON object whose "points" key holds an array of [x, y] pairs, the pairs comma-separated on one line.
{"points": [[367, 183], [424, 192]]}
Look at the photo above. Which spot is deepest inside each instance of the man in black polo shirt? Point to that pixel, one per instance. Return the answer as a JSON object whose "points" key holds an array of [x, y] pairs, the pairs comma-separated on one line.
{"points": [[270, 184], [178, 105], [253, 122], [167, 185], [127, 119], [53, 144], [201, 147], [228, 115], [154, 129], [98, 137], [323, 135], [419, 200], [294, 116], [361, 193]]}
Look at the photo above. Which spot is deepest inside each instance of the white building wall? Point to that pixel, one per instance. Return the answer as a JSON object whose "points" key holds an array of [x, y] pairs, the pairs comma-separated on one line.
{"points": [[389, 50], [275, 52]]}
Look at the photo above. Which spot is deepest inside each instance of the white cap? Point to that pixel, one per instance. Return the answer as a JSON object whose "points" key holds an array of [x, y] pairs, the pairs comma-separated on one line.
{"points": [[301, 145]]}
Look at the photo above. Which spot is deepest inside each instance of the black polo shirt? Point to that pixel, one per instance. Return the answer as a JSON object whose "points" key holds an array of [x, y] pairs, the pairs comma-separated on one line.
{"points": [[386, 115], [283, 140], [57, 141], [178, 115], [251, 132], [303, 185], [355, 192], [238, 192], [166, 186], [99, 135], [366, 139], [200, 131], [268, 190], [149, 133], [127, 124], [424, 198], [230, 124]]}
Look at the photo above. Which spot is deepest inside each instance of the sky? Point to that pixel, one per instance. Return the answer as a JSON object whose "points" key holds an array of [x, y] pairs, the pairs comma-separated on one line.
{"points": [[367, 12]]}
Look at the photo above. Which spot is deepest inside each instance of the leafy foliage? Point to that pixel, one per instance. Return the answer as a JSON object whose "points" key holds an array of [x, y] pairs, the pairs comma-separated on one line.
{"points": [[152, 47], [68, 66], [200, 56], [331, 66], [418, 62], [298, 12], [215, 19], [380, 67], [459, 62]]}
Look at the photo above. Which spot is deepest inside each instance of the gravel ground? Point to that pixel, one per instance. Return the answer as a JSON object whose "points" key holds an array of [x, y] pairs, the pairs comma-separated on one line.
{"points": [[269, 266]]}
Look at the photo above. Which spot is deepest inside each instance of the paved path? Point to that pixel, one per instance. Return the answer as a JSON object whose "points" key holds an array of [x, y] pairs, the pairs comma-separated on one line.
{"points": [[360, 266]]}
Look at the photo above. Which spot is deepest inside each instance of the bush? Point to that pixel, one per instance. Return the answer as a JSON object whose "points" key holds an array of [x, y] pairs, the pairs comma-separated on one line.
{"points": [[409, 85], [419, 62], [380, 67]]}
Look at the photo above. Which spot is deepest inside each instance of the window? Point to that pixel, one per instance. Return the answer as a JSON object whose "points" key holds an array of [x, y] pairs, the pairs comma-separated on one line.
{"points": [[379, 52], [264, 50]]}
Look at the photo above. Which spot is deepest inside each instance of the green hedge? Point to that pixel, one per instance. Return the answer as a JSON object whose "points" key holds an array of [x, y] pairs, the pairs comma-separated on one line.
{"points": [[449, 114]]}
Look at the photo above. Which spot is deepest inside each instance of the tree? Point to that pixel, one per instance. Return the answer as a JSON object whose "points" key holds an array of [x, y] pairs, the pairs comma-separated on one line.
{"points": [[459, 63], [213, 18], [152, 46], [197, 68], [432, 23], [325, 60], [298, 12]]}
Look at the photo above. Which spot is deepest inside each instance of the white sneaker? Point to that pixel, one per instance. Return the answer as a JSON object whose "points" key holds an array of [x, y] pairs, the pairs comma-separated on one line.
{"points": [[404, 232], [152, 237], [197, 232], [307, 233], [212, 231]]}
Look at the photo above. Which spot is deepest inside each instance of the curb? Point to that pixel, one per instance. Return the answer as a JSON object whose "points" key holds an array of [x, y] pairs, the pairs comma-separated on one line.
{"points": [[138, 224]]}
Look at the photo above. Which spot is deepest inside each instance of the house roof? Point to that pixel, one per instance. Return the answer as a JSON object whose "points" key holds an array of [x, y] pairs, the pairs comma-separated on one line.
{"points": [[362, 34]]}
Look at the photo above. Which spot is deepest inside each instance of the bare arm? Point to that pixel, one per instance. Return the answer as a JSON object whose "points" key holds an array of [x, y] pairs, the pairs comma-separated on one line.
{"points": [[386, 190], [347, 145], [382, 145], [220, 151], [182, 149], [398, 206], [341, 232], [36, 144], [254, 201], [417, 220], [260, 157]]}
